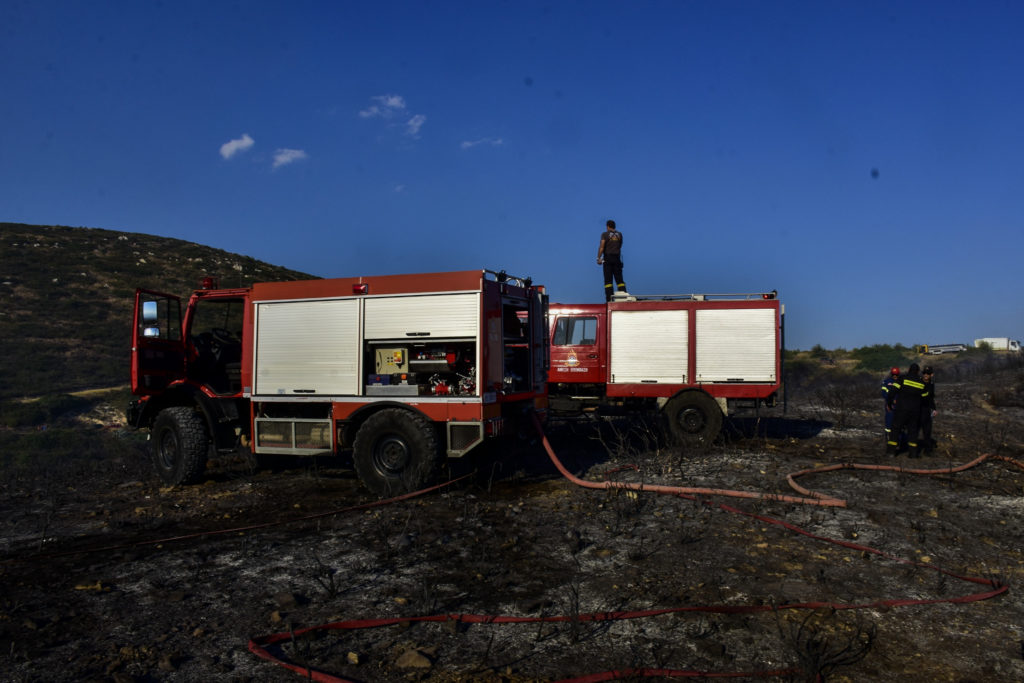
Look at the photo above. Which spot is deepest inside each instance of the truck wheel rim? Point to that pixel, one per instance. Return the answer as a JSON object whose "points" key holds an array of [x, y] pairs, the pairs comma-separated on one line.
{"points": [[168, 449], [391, 455], [691, 420]]}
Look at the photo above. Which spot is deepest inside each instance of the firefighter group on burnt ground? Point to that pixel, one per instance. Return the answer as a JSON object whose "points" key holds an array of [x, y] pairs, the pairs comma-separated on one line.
{"points": [[909, 411]]}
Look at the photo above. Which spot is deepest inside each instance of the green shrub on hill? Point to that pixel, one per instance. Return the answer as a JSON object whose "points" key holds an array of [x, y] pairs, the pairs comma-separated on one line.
{"points": [[880, 357]]}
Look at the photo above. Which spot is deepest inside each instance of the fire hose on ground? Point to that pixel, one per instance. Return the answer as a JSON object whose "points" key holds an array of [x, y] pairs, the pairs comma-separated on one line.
{"points": [[259, 645]]}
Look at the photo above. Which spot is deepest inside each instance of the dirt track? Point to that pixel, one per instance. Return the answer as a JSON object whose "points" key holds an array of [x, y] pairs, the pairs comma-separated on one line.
{"points": [[89, 595]]}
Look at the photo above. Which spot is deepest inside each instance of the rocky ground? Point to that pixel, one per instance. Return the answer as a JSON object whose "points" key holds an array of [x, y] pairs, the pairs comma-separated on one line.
{"points": [[107, 576]]}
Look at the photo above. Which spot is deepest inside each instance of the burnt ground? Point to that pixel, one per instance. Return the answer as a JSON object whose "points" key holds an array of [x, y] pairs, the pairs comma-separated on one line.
{"points": [[107, 576]]}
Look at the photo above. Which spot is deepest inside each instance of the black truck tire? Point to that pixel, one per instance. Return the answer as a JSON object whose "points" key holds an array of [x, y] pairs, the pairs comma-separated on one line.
{"points": [[395, 452], [180, 445], [694, 418]]}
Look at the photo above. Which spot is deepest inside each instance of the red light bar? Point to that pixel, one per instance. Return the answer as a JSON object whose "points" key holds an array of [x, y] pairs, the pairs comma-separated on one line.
{"points": [[361, 288], [770, 295], [209, 283]]}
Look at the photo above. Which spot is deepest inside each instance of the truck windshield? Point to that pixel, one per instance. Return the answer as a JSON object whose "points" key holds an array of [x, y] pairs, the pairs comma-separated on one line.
{"points": [[222, 315]]}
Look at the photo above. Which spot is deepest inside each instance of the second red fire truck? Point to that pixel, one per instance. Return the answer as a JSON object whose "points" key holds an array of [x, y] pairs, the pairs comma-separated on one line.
{"points": [[695, 358]]}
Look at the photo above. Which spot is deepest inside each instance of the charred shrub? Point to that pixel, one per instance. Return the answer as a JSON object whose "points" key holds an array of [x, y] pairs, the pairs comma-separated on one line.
{"points": [[839, 399], [800, 372], [1010, 395], [823, 643]]}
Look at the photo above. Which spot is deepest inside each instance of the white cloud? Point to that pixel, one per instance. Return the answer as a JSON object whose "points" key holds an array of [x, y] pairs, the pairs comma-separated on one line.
{"points": [[413, 125], [283, 157], [389, 107], [385, 106], [493, 142], [233, 147]]}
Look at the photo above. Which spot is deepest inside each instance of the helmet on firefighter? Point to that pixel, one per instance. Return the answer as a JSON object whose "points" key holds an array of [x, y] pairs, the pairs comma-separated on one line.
{"points": [[926, 370], [894, 372]]}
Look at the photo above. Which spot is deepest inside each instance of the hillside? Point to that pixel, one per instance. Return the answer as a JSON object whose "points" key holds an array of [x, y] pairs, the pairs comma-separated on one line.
{"points": [[66, 299]]}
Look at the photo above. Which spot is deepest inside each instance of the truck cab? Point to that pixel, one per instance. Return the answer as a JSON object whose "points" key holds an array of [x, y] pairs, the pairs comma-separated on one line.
{"points": [[204, 348], [578, 344]]}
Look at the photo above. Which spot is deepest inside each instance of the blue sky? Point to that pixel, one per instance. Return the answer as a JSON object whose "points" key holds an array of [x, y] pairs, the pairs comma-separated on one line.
{"points": [[866, 159]]}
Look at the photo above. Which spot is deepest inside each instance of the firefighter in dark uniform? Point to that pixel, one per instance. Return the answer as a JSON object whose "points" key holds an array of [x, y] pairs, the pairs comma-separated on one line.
{"points": [[927, 410], [907, 403], [888, 393], [609, 255]]}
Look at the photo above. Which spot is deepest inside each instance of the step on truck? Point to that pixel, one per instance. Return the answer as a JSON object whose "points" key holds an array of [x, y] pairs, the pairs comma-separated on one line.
{"points": [[695, 358], [401, 369]]}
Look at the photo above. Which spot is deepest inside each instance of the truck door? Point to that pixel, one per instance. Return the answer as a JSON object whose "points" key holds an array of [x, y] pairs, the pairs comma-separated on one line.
{"points": [[575, 349], [158, 351]]}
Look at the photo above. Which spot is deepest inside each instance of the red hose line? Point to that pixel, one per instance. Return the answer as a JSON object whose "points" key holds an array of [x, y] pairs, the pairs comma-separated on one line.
{"points": [[258, 645], [627, 674], [791, 478], [811, 499]]}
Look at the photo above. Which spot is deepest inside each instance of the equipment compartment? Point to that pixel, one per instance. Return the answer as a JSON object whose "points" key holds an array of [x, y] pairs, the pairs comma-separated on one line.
{"points": [[435, 368]]}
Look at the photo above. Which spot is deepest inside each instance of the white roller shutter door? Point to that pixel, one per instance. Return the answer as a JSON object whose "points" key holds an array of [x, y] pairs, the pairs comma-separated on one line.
{"points": [[649, 346], [423, 317], [736, 345], [307, 347]]}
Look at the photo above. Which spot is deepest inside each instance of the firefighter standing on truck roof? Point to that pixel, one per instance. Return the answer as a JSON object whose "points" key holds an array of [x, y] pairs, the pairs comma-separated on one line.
{"points": [[609, 255], [889, 386], [908, 402]]}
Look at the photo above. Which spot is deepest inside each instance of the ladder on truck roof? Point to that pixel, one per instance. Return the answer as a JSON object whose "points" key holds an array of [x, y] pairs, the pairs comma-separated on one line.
{"points": [[502, 276], [624, 296]]}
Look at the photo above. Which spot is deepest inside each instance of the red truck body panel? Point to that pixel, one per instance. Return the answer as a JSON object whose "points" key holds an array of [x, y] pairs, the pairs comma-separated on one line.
{"points": [[686, 333], [454, 347]]}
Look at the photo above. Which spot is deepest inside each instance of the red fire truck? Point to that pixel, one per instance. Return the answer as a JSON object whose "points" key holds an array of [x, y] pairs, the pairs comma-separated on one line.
{"points": [[401, 368], [693, 357]]}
